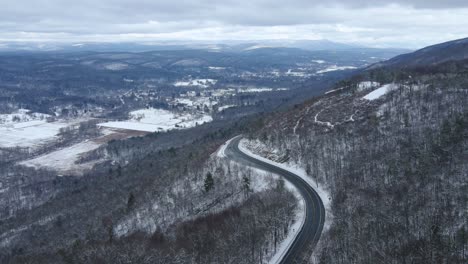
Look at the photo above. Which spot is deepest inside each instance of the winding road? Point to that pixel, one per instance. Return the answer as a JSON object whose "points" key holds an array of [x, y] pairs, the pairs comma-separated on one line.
{"points": [[306, 239]]}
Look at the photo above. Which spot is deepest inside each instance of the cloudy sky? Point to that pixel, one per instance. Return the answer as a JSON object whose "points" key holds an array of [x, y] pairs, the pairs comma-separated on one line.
{"points": [[377, 23]]}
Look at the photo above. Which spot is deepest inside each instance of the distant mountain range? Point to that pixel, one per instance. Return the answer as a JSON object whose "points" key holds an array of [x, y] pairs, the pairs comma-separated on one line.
{"points": [[226, 45]]}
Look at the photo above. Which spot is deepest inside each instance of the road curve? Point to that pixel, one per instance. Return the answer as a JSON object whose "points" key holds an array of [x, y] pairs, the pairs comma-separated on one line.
{"points": [[309, 235]]}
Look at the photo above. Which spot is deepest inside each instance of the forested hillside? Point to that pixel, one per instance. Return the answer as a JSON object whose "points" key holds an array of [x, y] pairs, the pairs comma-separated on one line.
{"points": [[391, 146], [159, 204]]}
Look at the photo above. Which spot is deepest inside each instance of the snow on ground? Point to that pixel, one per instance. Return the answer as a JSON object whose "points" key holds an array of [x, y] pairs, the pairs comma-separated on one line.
{"points": [[246, 146], [326, 123], [221, 108], [379, 92], [64, 159], [259, 183], [117, 66], [255, 90], [335, 90], [221, 150], [21, 115], [152, 120], [299, 221], [216, 68], [223, 92], [367, 85], [300, 216], [184, 101], [336, 68], [258, 47], [194, 101], [290, 72], [319, 61], [204, 83], [30, 133]]}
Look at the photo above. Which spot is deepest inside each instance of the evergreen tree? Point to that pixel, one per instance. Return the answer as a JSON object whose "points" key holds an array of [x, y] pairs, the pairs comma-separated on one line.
{"points": [[130, 201], [209, 182], [246, 184]]}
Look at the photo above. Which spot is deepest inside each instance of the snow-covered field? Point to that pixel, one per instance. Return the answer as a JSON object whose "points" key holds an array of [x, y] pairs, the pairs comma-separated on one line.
{"points": [[216, 68], [203, 83], [152, 120], [379, 92], [29, 133], [117, 66], [319, 61], [336, 68], [63, 160], [21, 115]]}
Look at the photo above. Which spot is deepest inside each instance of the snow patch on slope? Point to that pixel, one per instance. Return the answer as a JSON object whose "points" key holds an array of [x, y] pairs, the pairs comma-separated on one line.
{"points": [[379, 92], [63, 160], [336, 68]]}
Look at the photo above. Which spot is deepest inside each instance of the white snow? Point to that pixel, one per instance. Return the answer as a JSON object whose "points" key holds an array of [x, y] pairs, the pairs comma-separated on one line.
{"points": [[324, 196], [336, 68], [294, 168], [328, 124], [117, 66], [221, 108], [29, 134], [255, 90], [299, 221], [220, 153], [184, 101], [64, 159], [216, 68], [319, 61], [367, 85], [258, 47], [379, 92], [152, 120], [290, 72], [259, 182], [21, 115], [203, 83], [335, 90]]}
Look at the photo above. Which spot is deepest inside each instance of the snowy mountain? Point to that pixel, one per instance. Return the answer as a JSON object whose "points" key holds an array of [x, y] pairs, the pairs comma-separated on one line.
{"points": [[456, 50], [390, 145], [134, 166]]}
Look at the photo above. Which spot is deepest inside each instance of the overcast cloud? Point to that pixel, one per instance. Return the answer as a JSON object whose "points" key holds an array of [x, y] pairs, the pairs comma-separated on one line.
{"points": [[379, 23]]}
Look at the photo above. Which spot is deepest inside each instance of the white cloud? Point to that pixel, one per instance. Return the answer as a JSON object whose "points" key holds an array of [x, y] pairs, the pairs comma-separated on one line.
{"points": [[399, 23]]}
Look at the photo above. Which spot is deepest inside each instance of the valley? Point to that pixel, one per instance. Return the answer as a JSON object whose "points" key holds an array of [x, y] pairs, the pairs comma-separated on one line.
{"points": [[344, 158]]}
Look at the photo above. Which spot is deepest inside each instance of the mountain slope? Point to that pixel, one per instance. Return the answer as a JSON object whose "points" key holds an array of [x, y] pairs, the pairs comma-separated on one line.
{"points": [[449, 51], [393, 155]]}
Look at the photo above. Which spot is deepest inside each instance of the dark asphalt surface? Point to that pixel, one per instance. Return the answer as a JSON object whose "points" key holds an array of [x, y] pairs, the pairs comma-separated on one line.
{"points": [[309, 235]]}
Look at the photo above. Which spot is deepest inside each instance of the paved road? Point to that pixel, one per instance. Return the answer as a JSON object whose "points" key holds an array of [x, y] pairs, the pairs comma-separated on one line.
{"points": [[309, 235]]}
